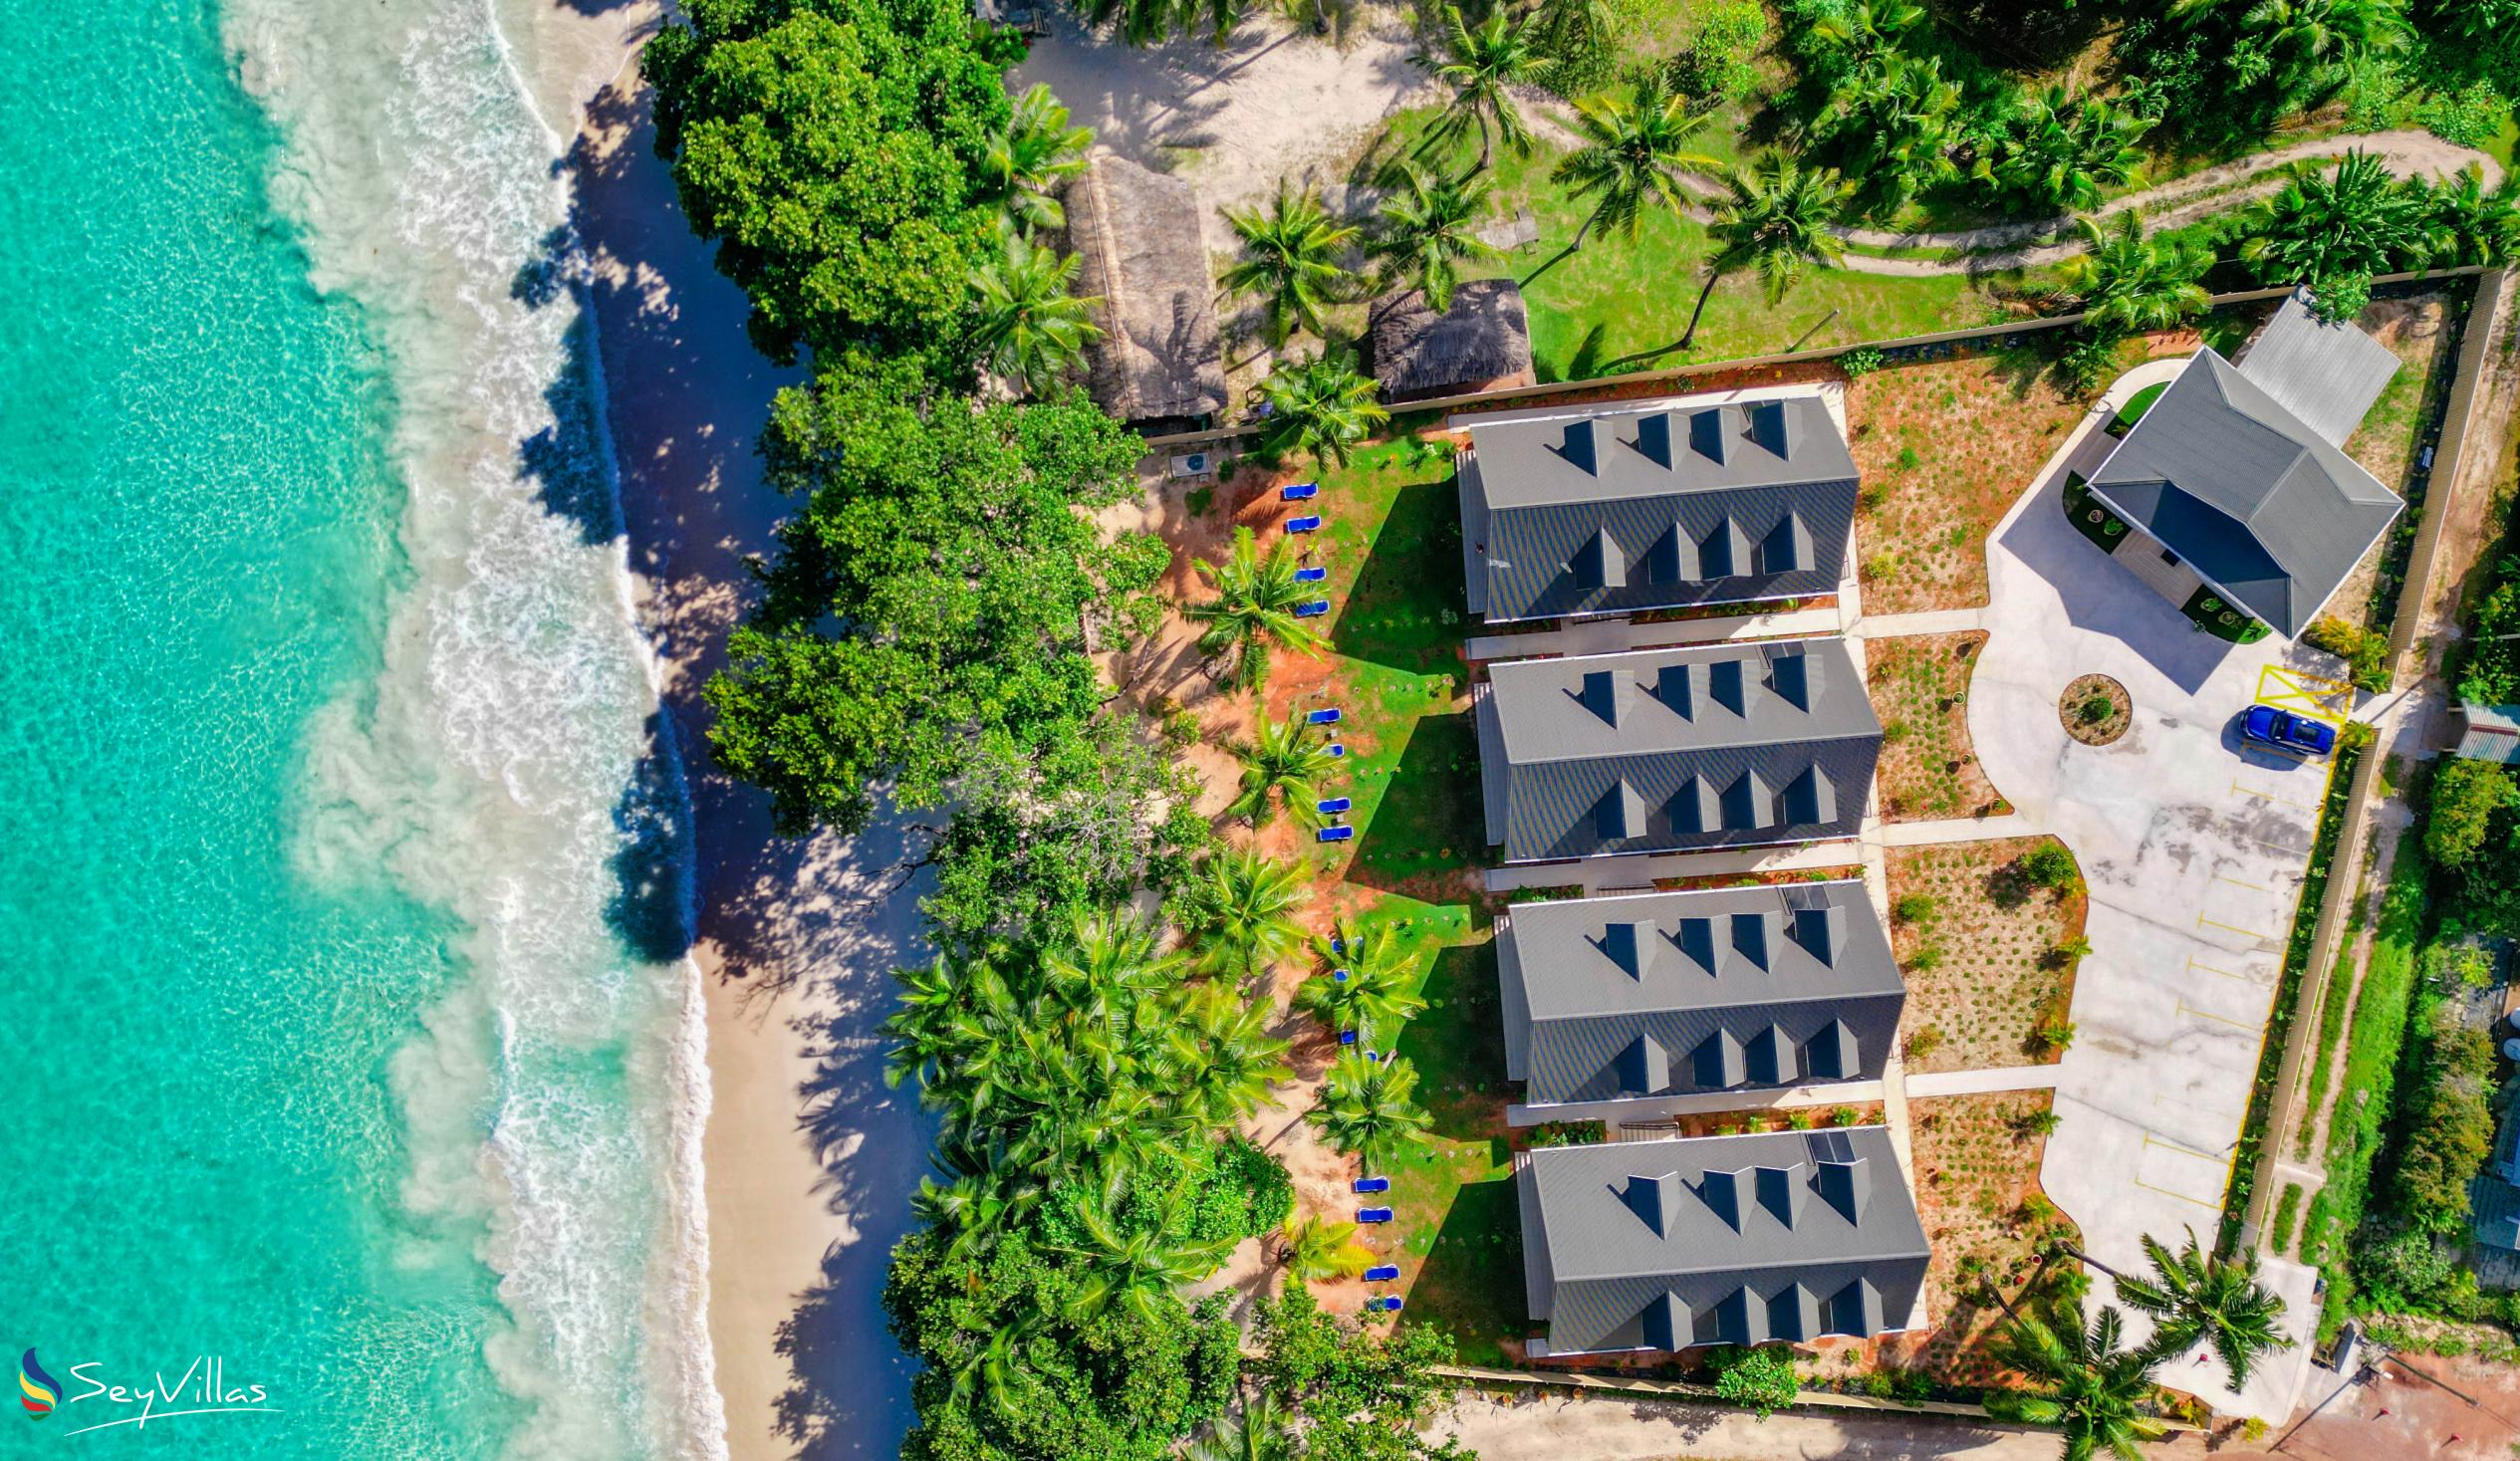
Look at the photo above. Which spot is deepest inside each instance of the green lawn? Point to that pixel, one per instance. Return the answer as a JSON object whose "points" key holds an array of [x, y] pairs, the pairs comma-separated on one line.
{"points": [[2374, 1052], [1391, 540], [1641, 290]]}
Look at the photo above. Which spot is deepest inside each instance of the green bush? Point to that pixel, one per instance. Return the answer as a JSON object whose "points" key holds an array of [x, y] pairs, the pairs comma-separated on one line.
{"points": [[1568, 1133], [1759, 1379], [2469, 117], [2285, 1208], [2465, 796], [2366, 653], [2051, 867], [1861, 361], [1717, 65], [1915, 908]]}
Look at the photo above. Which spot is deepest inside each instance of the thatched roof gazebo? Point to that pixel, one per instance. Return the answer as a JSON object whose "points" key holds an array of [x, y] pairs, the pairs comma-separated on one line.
{"points": [[1138, 234], [1483, 340]]}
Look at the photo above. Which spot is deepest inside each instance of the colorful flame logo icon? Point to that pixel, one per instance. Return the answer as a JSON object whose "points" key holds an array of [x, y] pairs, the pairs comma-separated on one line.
{"points": [[37, 1391]]}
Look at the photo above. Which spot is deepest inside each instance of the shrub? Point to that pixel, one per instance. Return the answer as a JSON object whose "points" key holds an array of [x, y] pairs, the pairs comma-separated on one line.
{"points": [[1908, 458], [2465, 796], [2053, 1038], [1759, 1379], [1861, 361], [1568, 1133], [2095, 708], [2461, 966], [2364, 653], [1923, 1041], [1716, 67], [2468, 117], [2041, 1122], [1799, 1120], [1844, 1115], [2076, 948], [1182, 729], [2449, 1125], [1915, 908], [1880, 1385], [2286, 1207], [1926, 960], [2051, 867]]}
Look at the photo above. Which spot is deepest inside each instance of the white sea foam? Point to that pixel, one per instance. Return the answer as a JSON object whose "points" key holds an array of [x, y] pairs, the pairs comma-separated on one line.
{"points": [[507, 762]]}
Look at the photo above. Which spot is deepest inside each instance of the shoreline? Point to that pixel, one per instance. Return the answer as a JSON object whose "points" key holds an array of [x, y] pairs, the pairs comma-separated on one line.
{"points": [[807, 1161]]}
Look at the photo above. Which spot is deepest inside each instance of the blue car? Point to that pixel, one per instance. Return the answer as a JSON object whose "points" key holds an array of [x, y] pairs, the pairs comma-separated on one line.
{"points": [[2284, 731]]}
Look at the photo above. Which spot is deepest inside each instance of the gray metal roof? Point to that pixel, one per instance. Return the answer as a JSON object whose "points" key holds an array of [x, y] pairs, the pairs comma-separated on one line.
{"points": [[2253, 499], [1709, 990], [1699, 746], [2489, 732], [1614, 511], [1720, 1239], [2327, 375]]}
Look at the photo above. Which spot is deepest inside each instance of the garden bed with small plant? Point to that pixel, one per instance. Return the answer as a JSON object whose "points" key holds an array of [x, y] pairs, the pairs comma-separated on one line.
{"points": [[1945, 447], [1989, 934], [1976, 1161], [2096, 709], [1921, 691]]}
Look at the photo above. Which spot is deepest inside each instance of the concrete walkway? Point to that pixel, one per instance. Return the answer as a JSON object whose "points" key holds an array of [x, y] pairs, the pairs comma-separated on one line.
{"points": [[1942, 831], [1612, 636], [1982, 1082], [1925, 622], [1598, 875], [2192, 847]]}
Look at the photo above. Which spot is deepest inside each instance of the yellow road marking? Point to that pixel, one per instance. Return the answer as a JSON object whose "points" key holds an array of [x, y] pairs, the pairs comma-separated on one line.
{"points": [[2204, 922], [2235, 882], [2186, 1008], [2225, 973], [2313, 695], [2151, 1139], [2181, 1196], [2271, 796]]}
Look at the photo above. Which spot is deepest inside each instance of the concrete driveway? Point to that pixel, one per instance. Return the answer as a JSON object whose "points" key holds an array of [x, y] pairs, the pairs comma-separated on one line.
{"points": [[2194, 849]]}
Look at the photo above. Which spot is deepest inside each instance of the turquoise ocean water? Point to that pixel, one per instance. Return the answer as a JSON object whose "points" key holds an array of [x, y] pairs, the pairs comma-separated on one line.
{"points": [[349, 1048]]}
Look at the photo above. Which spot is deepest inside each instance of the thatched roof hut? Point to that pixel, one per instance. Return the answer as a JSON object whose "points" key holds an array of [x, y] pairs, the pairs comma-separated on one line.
{"points": [[1483, 340], [1138, 234]]}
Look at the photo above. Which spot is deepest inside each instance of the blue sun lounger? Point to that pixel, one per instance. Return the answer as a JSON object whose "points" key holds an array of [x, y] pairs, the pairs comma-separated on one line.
{"points": [[1338, 941], [1334, 835], [1328, 716], [1314, 610], [1382, 1273], [1310, 522], [1310, 575], [1388, 1304], [1298, 491], [1332, 804], [1373, 1184], [1347, 1037], [1373, 1214], [1336, 749]]}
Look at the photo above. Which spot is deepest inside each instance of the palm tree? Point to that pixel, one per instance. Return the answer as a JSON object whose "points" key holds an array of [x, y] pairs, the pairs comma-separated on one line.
{"points": [[2193, 1294], [1292, 259], [1896, 119], [2058, 153], [1139, 1267], [1224, 1060], [2466, 222], [1378, 993], [2337, 228], [1283, 759], [2130, 284], [2087, 1387], [1483, 66], [1256, 1431], [1864, 30], [1318, 405], [1023, 161], [1144, 22], [1095, 984], [1246, 910], [1032, 331], [1774, 218], [1254, 607], [1633, 154], [2313, 34], [1319, 1248], [1428, 230], [1576, 35], [1369, 1107]]}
